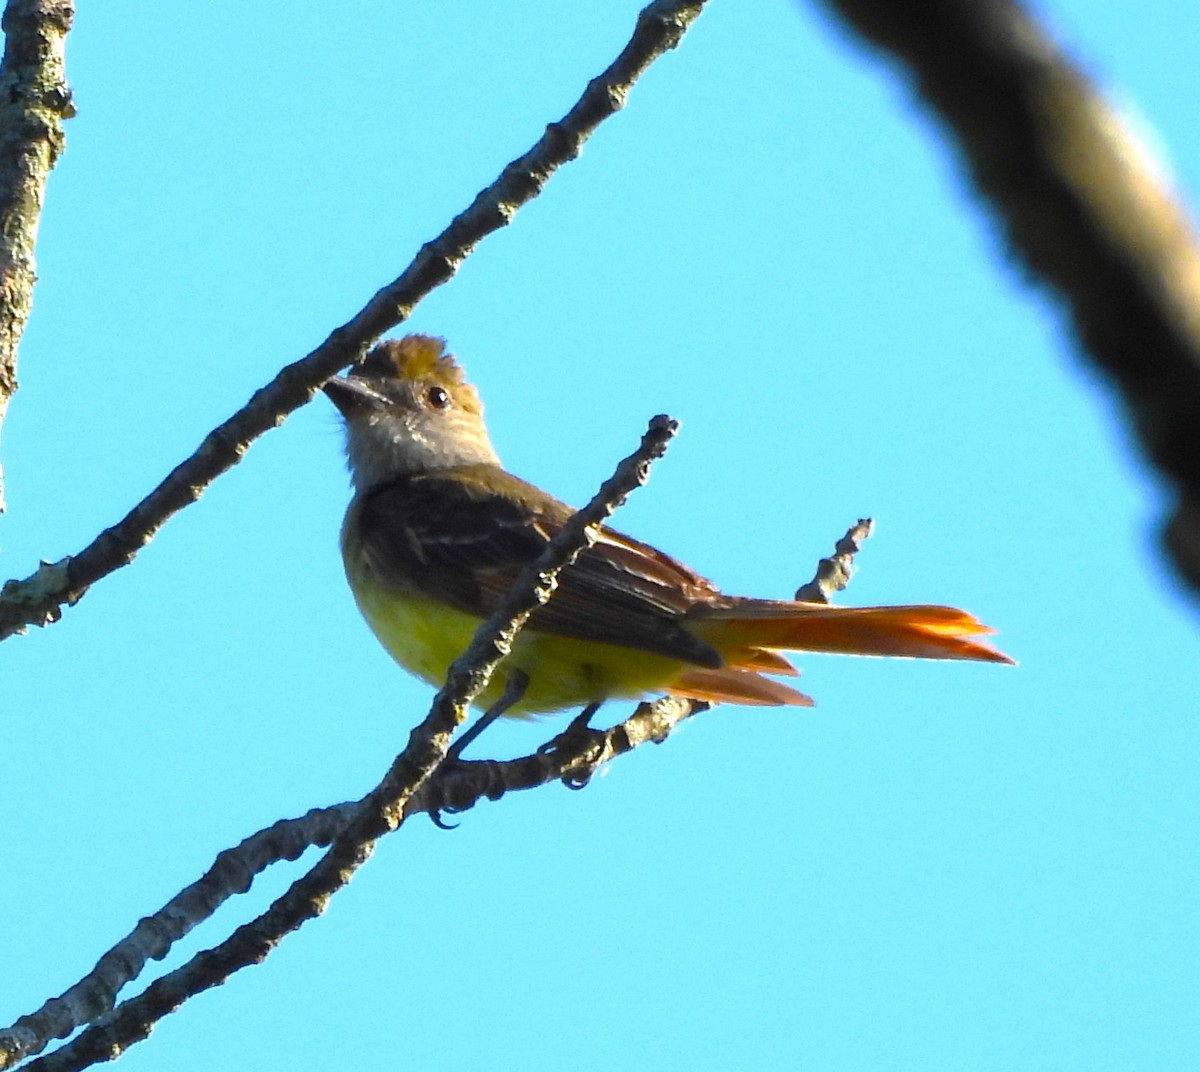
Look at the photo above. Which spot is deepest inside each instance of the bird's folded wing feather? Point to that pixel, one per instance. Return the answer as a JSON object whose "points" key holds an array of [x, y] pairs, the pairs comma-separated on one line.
{"points": [[462, 537]]}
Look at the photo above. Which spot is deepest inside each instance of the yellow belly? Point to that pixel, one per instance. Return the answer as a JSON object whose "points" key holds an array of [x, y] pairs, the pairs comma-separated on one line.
{"points": [[424, 637]]}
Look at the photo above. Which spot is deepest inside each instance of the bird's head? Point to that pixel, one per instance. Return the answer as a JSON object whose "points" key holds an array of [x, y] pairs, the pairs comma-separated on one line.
{"points": [[409, 409]]}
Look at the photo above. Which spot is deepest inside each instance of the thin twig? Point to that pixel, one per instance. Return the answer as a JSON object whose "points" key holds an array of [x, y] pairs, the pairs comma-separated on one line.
{"points": [[380, 812], [232, 873], [34, 100], [39, 599], [833, 574], [573, 758], [1083, 203]]}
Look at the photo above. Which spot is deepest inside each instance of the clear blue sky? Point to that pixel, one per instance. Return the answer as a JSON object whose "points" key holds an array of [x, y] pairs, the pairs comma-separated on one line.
{"points": [[940, 867]]}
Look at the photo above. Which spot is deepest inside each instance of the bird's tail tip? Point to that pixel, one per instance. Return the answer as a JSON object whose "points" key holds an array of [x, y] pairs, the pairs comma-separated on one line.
{"points": [[915, 632]]}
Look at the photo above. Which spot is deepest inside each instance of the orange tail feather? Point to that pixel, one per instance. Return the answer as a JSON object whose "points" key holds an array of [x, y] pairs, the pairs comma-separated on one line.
{"points": [[731, 685], [917, 632], [761, 659]]}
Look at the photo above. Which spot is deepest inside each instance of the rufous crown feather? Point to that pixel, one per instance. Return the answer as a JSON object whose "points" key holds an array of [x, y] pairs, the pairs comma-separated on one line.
{"points": [[419, 357]]}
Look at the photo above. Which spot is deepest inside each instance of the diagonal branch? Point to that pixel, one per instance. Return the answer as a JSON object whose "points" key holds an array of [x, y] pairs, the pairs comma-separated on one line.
{"points": [[1083, 204], [39, 599], [572, 758], [233, 872], [34, 100], [381, 811]]}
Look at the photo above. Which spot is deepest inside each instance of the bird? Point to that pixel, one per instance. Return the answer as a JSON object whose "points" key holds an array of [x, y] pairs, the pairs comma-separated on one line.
{"points": [[437, 530]]}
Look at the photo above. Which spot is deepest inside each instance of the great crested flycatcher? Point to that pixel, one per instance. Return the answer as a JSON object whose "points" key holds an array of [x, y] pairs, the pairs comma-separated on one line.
{"points": [[437, 531]]}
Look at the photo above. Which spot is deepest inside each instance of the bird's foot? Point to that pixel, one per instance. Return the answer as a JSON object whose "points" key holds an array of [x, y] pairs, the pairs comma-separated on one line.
{"points": [[581, 740]]}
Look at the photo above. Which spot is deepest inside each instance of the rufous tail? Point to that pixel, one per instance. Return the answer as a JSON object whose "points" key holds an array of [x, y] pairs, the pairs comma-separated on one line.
{"points": [[749, 634]]}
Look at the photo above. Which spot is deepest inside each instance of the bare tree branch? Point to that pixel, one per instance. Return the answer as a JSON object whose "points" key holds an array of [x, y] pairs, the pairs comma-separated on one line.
{"points": [[34, 100], [572, 757], [1084, 205], [39, 599], [233, 871], [384, 809], [833, 574]]}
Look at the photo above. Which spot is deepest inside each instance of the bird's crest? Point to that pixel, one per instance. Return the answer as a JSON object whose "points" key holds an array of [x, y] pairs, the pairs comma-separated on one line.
{"points": [[419, 357]]}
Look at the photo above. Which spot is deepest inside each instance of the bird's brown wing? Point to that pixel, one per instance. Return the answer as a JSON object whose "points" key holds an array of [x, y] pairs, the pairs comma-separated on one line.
{"points": [[462, 537]]}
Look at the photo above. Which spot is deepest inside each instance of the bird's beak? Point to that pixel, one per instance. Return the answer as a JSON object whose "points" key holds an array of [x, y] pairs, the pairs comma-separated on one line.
{"points": [[353, 397]]}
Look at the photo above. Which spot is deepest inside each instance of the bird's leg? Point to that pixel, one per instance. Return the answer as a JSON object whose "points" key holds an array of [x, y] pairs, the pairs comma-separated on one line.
{"points": [[514, 688], [582, 720], [579, 735], [579, 724]]}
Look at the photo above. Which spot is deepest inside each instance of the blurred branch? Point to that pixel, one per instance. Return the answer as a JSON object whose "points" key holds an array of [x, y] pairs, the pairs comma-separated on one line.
{"points": [[39, 599], [1084, 205], [350, 830], [34, 100]]}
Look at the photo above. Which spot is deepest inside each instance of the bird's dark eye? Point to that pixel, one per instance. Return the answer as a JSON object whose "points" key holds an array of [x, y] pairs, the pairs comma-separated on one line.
{"points": [[438, 397]]}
